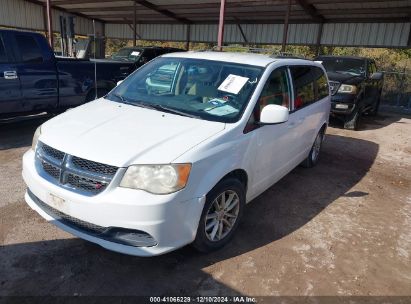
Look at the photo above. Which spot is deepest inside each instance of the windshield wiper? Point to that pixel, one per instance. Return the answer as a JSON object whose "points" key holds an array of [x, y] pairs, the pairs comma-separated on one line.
{"points": [[172, 110], [133, 102], [122, 99], [157, 107]]}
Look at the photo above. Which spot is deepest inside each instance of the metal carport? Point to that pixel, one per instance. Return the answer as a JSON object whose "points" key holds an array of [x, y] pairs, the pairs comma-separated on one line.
{"points": [[368, 23]]}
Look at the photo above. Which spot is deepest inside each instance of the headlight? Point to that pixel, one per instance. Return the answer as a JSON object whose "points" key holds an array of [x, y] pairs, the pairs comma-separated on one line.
{"points": [[36, 138], [346, 88], [157, 179]]}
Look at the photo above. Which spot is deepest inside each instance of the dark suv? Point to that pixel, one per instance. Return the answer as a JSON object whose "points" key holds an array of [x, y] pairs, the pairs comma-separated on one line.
{"points": [[355, 87], [139, 55]]}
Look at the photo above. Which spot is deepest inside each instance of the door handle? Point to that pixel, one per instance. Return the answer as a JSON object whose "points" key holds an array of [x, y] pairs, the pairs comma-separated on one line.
{"points": [[10, 75]]}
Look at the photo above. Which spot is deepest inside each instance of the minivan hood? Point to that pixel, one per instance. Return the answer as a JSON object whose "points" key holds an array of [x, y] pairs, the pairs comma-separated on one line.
{"points": [[119, 134]]}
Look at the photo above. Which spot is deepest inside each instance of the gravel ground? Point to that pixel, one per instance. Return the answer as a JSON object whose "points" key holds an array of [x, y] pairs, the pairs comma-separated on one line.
{"points": [[341, 228]]}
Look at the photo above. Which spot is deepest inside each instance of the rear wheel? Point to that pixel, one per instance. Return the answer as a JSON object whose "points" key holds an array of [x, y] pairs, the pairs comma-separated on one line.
{"points": [[221, 215], [314, 154]]}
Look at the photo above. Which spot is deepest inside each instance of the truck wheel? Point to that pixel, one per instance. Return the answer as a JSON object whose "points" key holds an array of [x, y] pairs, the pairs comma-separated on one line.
{"points": [[221, 215], [314, 154], [352, 121]]}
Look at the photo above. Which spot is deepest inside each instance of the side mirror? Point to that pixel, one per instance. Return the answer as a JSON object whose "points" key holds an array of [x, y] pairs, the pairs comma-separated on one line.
{"points": [[143, 60], [376, 76], [273, 114], [119, 82]]}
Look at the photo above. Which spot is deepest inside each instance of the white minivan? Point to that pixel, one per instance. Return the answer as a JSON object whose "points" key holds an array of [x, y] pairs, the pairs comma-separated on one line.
{"points": [[172, 154]]}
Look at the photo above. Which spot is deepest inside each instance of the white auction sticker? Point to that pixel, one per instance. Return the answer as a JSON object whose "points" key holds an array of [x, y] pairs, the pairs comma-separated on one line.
{"points": [[221, 111], [135, 53], [233, 84]]}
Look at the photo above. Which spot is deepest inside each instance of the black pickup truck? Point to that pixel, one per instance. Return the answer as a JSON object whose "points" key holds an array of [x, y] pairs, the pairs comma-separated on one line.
{"points": [[355, 87], [33, 80]]}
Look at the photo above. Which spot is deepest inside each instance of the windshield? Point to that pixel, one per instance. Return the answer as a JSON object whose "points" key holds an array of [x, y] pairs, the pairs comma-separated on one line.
{"points": [[205, 89], [128, 54], [354, 67]]}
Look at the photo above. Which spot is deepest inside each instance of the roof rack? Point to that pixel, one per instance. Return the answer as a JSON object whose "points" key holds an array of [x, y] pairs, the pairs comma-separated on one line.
{"points": [[271, 52], [287, 55]]}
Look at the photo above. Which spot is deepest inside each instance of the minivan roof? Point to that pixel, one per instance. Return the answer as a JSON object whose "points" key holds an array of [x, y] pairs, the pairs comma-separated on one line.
{"points": [[235, 57]]}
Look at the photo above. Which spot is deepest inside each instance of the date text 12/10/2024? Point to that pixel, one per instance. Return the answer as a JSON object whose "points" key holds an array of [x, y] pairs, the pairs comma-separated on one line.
{"points": [[203, 299]]}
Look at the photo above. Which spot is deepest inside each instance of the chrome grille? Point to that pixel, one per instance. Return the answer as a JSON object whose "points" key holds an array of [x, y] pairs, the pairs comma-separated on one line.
{"points": [[54, 153], [85, 183], [51, 170], [93, 166], [334, 86], [72, 172]]}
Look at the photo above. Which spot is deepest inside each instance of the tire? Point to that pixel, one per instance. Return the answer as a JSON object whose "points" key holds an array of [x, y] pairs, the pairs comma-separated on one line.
{"points": [[204, 241], [313, 156], [352, 121]]}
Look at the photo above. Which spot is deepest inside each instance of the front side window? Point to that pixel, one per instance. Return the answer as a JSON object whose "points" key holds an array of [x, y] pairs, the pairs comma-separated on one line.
{"points": [[276, 91], [29, 49], [371, 68], [205, 89]]}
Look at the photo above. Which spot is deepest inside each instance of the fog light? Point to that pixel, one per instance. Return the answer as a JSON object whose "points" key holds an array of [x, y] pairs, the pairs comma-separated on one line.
{"points": [[130, 237], [341, 106]]}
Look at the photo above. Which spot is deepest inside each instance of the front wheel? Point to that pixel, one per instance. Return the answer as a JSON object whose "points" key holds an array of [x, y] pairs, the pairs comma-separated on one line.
{"points": [[352, 122], [221, 215], [314, 154]]}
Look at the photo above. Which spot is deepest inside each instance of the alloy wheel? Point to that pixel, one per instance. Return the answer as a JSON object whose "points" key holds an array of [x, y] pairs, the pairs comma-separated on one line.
{"points": [[222, 215]]}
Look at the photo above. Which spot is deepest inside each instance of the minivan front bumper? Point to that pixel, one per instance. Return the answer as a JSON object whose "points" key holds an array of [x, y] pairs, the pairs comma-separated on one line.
{"points": [[123, 220]]}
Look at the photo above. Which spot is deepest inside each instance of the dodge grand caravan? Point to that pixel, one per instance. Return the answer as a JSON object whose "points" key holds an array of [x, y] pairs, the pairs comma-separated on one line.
{"points": [[172, 155]]}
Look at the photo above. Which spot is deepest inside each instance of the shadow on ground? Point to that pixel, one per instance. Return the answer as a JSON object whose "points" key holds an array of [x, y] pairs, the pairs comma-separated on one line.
{"points": [[18, 132], [66, 267], [370, 122]]}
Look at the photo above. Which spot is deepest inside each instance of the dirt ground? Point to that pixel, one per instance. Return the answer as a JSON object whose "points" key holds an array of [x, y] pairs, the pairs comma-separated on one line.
{"points": [[341, 228]]}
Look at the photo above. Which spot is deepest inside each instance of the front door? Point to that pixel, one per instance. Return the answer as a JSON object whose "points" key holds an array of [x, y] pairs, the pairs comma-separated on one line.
{"points": [[273, 147], [10, 92], [37, 73], [373, 85]]}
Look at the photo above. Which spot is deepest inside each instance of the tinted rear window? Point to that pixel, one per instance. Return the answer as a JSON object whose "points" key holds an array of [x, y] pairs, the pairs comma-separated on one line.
{"points": [[29, 49], [310, 85], [303, 78]]}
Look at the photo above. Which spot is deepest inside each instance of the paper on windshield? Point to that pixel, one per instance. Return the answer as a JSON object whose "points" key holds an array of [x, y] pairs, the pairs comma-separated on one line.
{"points": [[233, 84], [135, 53], [222, 110]]}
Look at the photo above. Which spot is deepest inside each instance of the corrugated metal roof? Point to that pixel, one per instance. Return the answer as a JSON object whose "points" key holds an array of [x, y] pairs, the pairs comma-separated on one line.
{"points": [[338, 34], [206, 11], [346, 22], [366, 34], [27, 15]]}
